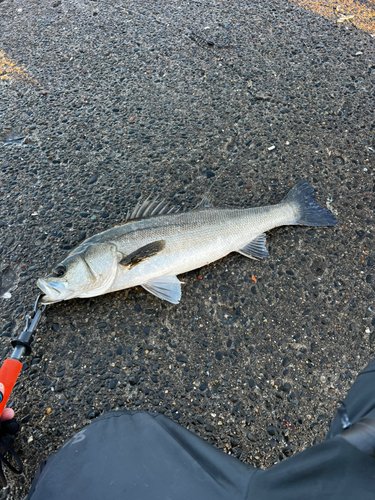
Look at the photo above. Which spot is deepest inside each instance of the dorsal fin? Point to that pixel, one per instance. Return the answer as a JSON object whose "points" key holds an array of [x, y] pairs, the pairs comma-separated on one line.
{"points": [[205, 202], [152, 208]]}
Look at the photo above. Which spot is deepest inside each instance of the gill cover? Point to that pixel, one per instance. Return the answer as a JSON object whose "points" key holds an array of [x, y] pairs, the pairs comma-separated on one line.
{"points": [[88, 270]]}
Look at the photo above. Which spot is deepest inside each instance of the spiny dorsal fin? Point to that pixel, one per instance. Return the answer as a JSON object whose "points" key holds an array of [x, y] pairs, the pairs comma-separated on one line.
{"points": [[205, 202], [143, 253], [151, 208]]}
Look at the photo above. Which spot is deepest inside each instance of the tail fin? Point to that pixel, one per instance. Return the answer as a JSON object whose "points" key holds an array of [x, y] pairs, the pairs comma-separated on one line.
{"points": [[309, 213]]}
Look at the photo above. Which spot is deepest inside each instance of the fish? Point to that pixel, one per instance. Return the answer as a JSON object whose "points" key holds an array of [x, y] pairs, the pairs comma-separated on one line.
{"points": [[157, 244]]}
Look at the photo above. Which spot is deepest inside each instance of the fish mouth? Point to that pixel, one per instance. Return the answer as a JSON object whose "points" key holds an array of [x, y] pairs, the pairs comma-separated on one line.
{"points": [[52, 291]]}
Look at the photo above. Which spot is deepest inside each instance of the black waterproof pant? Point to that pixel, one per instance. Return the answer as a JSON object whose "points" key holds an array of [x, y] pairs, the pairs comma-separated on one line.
{"points": [[141, 456]]}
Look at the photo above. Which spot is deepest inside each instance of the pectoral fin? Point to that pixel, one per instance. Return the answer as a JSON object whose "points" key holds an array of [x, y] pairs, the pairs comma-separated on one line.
{"points": [[166, 288], [256, 249], [143, 253]]}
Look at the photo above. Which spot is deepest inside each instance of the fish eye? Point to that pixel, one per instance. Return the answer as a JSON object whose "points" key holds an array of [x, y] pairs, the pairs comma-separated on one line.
{"points": [[60, 271]]}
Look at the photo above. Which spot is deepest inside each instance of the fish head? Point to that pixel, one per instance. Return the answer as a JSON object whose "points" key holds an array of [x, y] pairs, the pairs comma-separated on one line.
{"points": [[87, 271]]}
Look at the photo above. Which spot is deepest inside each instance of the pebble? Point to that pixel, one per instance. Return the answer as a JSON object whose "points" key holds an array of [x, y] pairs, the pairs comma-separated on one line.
{"points": [[4, 352], [286, 387], [262, 97], [93, 179], [133, 380], [272, 431], [26, 419], [181, 359], [251, 436], [92, 414], [288, 452], [9, 241], [7, 325], [209, 174], [113, 383]]}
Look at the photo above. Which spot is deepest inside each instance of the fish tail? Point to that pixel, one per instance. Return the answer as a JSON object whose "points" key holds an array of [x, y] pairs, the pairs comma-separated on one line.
{"points": [[308, 212]]}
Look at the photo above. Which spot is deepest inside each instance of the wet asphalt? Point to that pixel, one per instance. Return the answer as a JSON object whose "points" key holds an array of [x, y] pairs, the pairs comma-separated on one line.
{"points": [[116, 101]]}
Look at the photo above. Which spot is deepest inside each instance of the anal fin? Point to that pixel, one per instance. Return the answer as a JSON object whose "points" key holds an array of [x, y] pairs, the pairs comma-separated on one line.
{"points": [[165, 287], [256, 249]]}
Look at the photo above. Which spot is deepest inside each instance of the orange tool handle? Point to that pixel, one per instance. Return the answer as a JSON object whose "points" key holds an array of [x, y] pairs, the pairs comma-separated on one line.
{"points": [[8, 377]]}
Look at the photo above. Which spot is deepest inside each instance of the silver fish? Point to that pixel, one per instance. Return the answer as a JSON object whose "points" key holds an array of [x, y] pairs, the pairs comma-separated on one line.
{"points": [[158, 245]]}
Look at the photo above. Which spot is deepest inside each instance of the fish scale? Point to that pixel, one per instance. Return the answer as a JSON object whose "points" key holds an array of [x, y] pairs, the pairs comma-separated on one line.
{"points": [[196, 239]]}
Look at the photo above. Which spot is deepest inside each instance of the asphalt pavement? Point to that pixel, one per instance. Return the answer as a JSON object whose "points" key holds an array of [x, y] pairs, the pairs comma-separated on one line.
{"points": [[105, 103]]}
